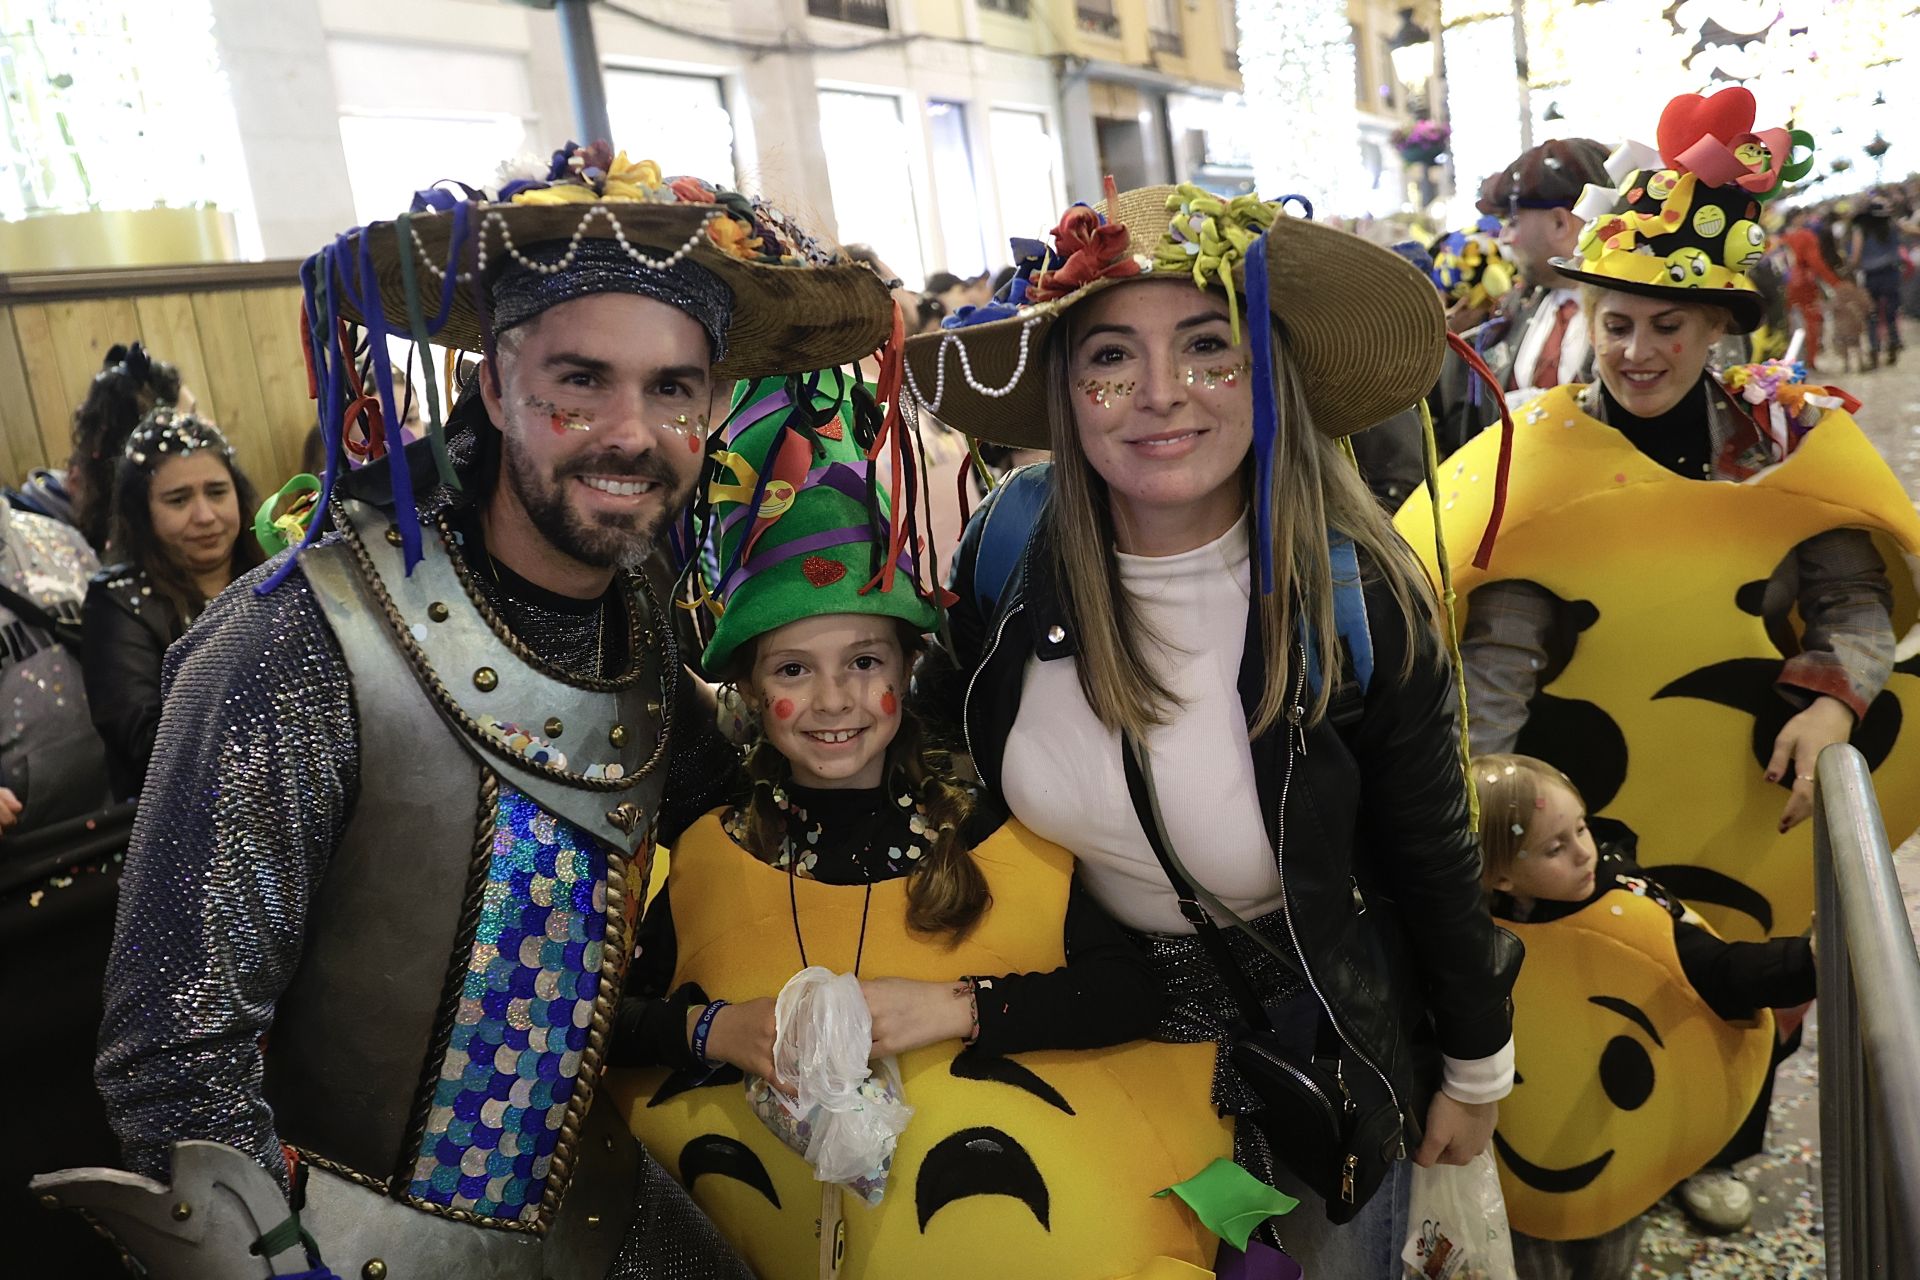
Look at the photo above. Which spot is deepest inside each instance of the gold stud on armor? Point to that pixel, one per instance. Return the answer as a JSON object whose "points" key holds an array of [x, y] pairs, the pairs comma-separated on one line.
{"points": [[437, 611], [486, 680], [554, 727]]}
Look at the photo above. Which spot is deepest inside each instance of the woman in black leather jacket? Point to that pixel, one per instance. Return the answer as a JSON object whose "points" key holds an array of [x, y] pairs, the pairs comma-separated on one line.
{"points": [[1306, 764], [178, 505]]}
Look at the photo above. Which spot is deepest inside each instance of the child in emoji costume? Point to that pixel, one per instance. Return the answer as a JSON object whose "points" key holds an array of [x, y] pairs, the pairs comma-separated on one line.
{"points": [[1033, 1151], [1626, 989]]}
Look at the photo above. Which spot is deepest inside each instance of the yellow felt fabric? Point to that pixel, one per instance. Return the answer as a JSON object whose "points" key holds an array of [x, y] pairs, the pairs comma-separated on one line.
{"points": [[1662, 559], [1140, 1118], [1575, 1159]]}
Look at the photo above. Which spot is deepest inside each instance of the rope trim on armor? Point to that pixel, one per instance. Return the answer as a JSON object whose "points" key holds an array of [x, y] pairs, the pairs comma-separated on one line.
{"points": [[465, 1217], [614, 950], [452, 986], [430, 678]]}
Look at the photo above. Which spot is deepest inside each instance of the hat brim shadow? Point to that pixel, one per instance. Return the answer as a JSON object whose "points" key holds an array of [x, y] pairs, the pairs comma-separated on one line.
{"points": [[1747, 306]]}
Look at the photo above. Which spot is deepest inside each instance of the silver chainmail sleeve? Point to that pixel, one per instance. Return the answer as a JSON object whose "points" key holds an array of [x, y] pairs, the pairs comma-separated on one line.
{"points": [[253, 777]]}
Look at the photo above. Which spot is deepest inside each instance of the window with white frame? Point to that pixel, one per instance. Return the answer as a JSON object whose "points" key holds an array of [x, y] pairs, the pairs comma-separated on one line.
{"points": [[1024, 170], [955, 191], [871, 203], [678, 121]]}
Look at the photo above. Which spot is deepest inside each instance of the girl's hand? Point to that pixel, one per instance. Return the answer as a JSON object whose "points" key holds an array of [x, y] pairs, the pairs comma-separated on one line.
{"points": [[1798, 747], [908, 1014], [1456, 1131], [741, 1036]]}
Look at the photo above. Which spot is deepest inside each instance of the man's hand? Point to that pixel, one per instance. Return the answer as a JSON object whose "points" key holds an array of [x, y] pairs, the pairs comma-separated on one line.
{"points": [[908, 1014], [1456, 1131], [741, 1036], [10, 808], [1798, 748]]}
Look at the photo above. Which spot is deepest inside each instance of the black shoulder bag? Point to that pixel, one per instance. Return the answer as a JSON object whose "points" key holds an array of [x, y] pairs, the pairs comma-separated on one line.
{"points": [[1340, 1149]]}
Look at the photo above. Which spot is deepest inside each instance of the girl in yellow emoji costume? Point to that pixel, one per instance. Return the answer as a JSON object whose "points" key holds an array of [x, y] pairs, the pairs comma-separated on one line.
{"points": [[1641, 1038], [1700, 576], [1038, 1137]]}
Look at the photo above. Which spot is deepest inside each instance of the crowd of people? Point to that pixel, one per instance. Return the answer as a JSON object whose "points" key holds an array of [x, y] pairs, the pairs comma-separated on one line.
{"points": [[604, 835]]}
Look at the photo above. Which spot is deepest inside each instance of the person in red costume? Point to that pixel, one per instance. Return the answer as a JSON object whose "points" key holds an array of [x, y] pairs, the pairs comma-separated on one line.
{"points": [[1810, 271]]}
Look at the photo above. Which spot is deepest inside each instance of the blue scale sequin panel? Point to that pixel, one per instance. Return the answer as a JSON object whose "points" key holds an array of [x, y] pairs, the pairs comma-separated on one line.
{"points": [[523, 1017]]}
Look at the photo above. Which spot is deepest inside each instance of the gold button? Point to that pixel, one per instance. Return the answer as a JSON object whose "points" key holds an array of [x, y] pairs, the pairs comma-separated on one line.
{"points": [[554, 727], [617, 735], [393, 534], [486, 679], [182, 1211], [50, 1202], [653, 708], [593, 1222], [437, 611], [374, 1270]]}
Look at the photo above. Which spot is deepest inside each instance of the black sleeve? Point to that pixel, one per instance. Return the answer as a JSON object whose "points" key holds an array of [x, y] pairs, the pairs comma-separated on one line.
{"points": [[701, 763], [1737, 979], [1105, 994], [1413, 814], [650, 1027], [120, 663]]}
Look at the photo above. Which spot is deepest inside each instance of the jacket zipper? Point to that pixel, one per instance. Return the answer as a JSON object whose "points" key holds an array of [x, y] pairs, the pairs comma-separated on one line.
{"points": [[1305, 1080], [966, 703], [1296, 715]]}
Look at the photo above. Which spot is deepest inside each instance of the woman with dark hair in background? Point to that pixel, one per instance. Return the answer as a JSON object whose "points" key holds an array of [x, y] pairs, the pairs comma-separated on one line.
{"points": [[178, 505], [130, 384]]}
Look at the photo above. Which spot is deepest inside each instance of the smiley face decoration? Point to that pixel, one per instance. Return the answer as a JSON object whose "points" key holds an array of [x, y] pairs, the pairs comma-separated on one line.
{"points": [[1035, 1166], [1625, 1081]]}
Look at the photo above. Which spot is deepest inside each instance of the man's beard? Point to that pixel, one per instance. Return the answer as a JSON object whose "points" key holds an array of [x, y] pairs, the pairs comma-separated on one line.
{"points": [[608, 541]]}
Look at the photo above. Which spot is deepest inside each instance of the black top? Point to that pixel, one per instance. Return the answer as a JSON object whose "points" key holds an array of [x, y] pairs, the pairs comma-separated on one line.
{"points": [[1105, 993], [1736, 979], [126, 628], [1677, 439]]}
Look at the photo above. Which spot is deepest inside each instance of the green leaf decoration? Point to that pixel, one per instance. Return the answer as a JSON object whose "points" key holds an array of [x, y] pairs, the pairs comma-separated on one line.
{"points": [[1229, 1201]]}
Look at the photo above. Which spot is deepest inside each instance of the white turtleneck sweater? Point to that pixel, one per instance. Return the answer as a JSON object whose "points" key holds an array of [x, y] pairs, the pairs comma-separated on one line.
{"points": [[1062, 777]]}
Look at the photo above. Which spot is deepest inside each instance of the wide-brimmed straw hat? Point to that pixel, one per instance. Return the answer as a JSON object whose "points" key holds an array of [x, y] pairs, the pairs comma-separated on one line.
{"points": [[1684, 222], [795, 303], [1363, 326]]}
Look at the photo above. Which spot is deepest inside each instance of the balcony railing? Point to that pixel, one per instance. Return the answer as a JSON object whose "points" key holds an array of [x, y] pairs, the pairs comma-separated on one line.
{"points": [[1099, 22], [1166, 42], [1012, 8], [867, 13]]}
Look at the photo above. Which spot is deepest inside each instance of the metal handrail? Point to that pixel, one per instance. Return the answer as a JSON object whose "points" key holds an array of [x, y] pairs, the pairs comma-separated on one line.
{"points": [[1869, 1031]]}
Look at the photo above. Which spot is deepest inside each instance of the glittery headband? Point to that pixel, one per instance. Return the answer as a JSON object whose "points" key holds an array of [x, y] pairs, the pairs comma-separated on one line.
{"points": [[165, 434], [602, 266]]}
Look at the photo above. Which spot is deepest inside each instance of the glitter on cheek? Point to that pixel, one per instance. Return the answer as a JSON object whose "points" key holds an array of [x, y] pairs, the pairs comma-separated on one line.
{"points": [[783, 708]]}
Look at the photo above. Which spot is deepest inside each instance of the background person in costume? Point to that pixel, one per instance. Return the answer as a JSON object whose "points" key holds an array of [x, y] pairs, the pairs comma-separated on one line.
{"points": [[1541, 863], [903, 865], [1180, 586], [424, 908], [178, 502], [1808, 272], [1664, 271]]}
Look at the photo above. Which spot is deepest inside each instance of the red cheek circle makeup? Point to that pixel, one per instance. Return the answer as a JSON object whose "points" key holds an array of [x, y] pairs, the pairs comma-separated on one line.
{"points": [[889, 703], [783, 708]]}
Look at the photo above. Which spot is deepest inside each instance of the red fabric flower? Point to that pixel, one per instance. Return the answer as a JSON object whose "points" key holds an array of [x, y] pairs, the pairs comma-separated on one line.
{"points": [[1092, 252], [691, 191]]}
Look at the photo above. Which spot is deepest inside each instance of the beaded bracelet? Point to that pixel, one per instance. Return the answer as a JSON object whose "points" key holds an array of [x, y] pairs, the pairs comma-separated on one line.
{"points": [[702, 1028], [973, 1007]]}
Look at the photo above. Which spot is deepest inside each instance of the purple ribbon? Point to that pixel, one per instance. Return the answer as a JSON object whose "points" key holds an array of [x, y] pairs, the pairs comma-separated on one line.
{"points": [[804, 546]]}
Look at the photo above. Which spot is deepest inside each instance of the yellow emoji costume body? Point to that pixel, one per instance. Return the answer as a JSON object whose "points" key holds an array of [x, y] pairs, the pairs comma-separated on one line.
{"points": [[1039, 1166], [1676, 670], [1625, 1081]]}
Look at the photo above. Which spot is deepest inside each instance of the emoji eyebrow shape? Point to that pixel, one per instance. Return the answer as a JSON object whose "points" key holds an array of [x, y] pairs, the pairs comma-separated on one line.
{"points": [[1001, 1070], [979, 1162], [1630, 1011], [729, 1158], [682, 1081], [1552, 1181]]}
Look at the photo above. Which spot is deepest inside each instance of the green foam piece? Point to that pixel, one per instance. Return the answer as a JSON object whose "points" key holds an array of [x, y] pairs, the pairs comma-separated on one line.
{"points": [[1229, 1201]]}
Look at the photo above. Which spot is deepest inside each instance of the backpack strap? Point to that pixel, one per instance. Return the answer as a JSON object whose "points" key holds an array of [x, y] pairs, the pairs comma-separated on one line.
{"points": [[1007, 522], [1350, 624]]}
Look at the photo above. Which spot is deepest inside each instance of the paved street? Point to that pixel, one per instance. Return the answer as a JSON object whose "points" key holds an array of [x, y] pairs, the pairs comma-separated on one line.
{"points": [[1785, 1242]]}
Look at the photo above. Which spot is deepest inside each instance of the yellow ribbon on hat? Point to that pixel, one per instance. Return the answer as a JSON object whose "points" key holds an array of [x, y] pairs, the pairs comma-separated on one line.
{"points": [[1225, 229], [626, 180]]}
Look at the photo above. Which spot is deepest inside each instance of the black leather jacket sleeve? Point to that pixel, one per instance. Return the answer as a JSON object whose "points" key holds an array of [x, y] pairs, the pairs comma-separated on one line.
{"points": [[121, 658], [1414, 819]]}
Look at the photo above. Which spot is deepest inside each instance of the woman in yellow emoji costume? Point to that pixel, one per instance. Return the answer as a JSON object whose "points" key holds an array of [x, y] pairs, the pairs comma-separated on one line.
{"points": [[1700, 576], [1641, 1037], [1038, 1137]]}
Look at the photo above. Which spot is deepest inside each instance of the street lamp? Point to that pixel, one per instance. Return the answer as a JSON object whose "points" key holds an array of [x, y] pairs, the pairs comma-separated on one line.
{"points": [[1411, 50]]}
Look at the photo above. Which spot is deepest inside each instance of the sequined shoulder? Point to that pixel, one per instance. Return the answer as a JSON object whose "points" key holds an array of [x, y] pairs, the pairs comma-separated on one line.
{"points": [[125, 584]]}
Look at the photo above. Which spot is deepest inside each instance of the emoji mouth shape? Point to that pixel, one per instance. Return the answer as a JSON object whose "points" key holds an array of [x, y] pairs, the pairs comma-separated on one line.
{"points": [[1552, 1181], [979, 1162]]}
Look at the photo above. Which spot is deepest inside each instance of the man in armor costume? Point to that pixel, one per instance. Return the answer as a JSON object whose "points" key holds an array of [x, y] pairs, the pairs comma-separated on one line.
{"points": [[380, 898]]}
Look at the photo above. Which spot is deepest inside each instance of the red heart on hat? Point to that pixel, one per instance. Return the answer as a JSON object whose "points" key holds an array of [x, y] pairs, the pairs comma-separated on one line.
{"points": [[822, 572], [1688, 118]]}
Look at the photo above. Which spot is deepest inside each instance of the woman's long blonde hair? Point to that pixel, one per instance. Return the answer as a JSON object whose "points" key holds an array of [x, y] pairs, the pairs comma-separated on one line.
{"points": [[1315, 489]]}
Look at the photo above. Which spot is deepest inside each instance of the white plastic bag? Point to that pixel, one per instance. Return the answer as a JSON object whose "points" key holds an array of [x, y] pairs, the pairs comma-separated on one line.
{"points": [[1459, 1221], [846, 1117]]}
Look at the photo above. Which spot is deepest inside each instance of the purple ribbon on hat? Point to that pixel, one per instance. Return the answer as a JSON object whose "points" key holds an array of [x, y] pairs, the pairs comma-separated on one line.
{"points": [[805, 546]]}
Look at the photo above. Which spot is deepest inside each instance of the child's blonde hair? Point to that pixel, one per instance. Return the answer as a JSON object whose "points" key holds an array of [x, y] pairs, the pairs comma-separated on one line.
{"points": [[1511, 790]]}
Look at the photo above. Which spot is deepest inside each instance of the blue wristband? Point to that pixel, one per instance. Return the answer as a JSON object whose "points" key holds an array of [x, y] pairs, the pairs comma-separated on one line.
{"points": [[703, 1027]]}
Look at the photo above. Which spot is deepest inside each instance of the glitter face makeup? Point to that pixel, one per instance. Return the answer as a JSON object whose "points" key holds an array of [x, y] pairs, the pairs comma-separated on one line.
{"points": [[560, 420], [1102, 392], [691, 427], [1225, 375]]}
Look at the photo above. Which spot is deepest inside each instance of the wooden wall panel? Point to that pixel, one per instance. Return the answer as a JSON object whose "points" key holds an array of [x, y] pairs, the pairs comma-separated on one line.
{"points": [[273, 319], [16, 406], [53, 399], [168, 330], [234, 379]]}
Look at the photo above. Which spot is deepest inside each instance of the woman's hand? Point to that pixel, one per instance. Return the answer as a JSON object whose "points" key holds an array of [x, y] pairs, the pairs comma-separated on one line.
{"points": [[10, 808], [1798, 747], [908, 1014], [1456, 1131], [741, 1036]]}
